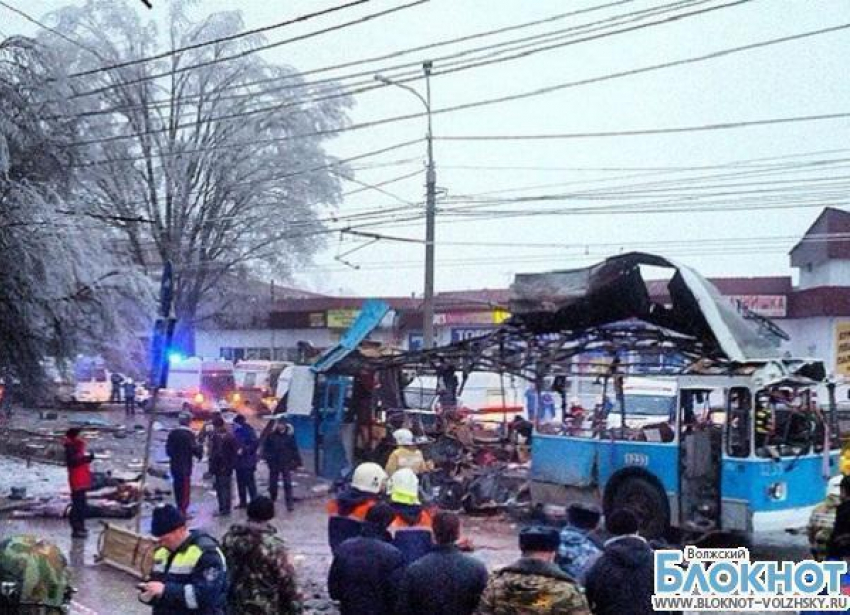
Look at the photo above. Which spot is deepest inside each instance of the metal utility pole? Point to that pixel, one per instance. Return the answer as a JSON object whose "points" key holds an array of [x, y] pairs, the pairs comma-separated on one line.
{"points": [[430, 207]]}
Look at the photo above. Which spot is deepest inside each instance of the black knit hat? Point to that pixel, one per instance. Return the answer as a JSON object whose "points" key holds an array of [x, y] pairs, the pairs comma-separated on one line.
{"points": [[622, 522], [166, 519], [539, 538], [261, 509]]}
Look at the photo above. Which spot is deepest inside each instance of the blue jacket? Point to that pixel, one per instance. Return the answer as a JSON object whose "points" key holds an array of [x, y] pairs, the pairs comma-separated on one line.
{"points": [[248, 445], [576, 553], [195, 578]]}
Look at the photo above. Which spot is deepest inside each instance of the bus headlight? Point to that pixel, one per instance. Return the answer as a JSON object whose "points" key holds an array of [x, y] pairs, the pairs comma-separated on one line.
{"points": [[777, 491]]}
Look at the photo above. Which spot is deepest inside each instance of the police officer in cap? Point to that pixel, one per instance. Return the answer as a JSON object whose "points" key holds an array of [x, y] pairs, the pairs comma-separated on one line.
{"points": [[534, 584], [189, 573]]}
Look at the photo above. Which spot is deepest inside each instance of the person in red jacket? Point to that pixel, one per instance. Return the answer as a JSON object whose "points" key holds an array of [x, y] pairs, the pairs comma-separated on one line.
{"points": [[79, 479]]}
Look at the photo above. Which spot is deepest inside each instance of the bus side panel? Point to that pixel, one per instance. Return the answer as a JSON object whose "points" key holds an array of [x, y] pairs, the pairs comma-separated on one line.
{"points": [[659, 459], [752, 480], [780, 494], [562, 460]]}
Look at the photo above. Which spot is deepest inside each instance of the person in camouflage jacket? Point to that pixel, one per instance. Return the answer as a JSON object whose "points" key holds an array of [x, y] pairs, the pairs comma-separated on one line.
{"points": [[39, 572], [262, 579], [533, 585], [579, 548], [822, 521]]}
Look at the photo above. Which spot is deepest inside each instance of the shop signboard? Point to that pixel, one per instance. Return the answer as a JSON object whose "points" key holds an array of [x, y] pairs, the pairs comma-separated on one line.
{"points": [[842, 348], [341, 319], [770, 306]]}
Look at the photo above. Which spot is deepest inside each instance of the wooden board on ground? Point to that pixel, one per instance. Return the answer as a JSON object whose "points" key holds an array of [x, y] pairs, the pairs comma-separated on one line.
{"points": [[125, 550]]}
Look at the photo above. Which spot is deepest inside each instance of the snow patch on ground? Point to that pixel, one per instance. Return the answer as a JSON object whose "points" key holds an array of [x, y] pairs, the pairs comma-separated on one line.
{"points": [[41, 480]]}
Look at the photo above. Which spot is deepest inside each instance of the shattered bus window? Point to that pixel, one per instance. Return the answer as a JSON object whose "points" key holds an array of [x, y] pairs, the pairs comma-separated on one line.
{"points": [[787, 422]]}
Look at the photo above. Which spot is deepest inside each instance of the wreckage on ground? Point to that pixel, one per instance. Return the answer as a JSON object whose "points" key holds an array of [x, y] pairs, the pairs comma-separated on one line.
{"points": [[688, 412]]}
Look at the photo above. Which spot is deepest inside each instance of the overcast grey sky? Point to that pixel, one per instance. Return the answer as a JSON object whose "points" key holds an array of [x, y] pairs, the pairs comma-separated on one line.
{"points": [[798, 78]]}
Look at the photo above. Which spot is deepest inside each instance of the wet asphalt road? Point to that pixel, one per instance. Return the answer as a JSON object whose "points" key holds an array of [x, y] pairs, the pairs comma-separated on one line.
{"points": [[103, 590]]}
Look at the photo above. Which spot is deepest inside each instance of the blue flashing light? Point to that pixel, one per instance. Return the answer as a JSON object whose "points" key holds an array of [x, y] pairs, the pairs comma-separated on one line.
{"points": [[174, 357]]}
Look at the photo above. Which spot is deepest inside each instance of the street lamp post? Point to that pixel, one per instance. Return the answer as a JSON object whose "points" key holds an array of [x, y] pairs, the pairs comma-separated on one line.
{"points": [[430, 207]]}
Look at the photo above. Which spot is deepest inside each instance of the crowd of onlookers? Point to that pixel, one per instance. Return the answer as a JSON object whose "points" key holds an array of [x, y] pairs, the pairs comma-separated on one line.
{"points": [[392, 553]]}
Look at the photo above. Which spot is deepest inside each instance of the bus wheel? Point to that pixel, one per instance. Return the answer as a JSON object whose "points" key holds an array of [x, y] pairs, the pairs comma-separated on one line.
{"points": [[646, 501]]}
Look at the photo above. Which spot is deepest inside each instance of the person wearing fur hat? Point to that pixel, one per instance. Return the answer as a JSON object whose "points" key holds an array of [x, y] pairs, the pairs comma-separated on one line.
{"points": [[534, 584], [189, 574]]}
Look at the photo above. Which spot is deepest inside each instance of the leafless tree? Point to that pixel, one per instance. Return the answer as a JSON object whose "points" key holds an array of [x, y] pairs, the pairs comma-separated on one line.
{"points": [[195, 165]]}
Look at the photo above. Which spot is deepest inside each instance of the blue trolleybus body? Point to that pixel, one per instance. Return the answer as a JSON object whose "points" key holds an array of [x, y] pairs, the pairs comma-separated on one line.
{"points": [[735, 454]]}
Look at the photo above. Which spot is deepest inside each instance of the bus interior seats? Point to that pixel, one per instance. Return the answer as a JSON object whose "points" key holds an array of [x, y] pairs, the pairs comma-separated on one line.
{"points": [[658, 432]]}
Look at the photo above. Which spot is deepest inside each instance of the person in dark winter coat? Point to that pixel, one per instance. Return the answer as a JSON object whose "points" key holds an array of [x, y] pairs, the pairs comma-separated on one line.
{"points": [[280, 452], [181, 447], [78, 463], [347, 511], [246, 461], [366, 570], [621, 580], [129, 397], [223, 452], [189, 575], [458, 578], [117, 380]]}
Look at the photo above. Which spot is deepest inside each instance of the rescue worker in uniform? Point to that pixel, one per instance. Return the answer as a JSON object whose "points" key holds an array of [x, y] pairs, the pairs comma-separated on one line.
{"points": [[763, 422], [406, 455], [411, 528], [189, 573], [347, 512], [533, 584]]}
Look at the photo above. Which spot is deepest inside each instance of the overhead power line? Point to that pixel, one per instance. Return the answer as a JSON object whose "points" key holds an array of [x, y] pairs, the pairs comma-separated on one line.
{"points": [[221, 39], [439, 70], [33, 20], [251, 51], [535, 39], [523, 95], [646, 131]]}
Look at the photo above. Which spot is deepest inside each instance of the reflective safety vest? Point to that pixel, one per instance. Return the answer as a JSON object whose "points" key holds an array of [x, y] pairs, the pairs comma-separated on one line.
{"points": [[342, 527], [764, 420], [195, 578], [415, 540]]}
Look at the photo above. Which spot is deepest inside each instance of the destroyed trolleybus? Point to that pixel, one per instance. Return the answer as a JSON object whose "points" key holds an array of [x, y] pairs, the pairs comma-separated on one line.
{"points": [[744, 447], [701, 420], [746, 451]]}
